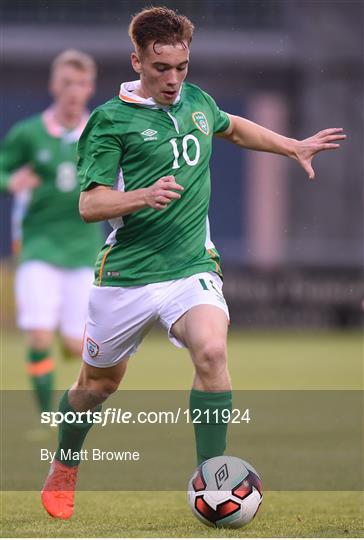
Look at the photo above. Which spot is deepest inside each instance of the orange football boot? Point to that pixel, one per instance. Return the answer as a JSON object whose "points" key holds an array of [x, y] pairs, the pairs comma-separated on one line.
{"points": [[59, 490]]}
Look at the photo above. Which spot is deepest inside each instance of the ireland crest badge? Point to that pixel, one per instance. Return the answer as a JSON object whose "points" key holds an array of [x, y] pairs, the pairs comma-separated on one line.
{"points": [[92, 347], [200, 120]]}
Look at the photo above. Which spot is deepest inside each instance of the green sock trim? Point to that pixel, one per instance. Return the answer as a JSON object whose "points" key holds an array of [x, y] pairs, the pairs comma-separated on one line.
{"points": [[215, 396], [71, 436], [211, 433]]}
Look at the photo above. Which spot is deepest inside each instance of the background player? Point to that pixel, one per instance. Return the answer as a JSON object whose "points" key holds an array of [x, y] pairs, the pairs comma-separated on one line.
{"points": [[58, 250], [159, 263]]}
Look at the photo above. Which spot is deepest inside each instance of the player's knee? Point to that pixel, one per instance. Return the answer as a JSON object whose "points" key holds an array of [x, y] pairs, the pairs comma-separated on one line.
{"points": [[211, 357], [40, 339], [214, 351]]}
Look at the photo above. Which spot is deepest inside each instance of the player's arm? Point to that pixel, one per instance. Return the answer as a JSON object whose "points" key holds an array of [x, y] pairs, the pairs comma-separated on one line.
{"points": [[100, 151], [16, 175], [255, 137], [102, 202]]}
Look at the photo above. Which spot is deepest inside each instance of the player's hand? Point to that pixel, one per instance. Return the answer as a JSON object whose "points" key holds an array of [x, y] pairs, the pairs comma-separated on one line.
{"points": [[323, 140], [23, 179], [161, 193]]}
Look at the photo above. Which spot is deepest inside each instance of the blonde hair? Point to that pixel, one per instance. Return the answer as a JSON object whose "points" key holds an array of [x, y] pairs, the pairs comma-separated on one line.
{"points": [[77, 59]]}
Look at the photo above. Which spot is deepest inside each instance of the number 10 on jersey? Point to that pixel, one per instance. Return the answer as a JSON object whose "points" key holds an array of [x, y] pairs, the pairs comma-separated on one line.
{"points": [[186, 157]]}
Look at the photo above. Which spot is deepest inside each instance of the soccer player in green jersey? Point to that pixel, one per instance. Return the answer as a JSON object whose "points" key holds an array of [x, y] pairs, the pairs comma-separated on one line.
{"points": [[144, 165], [58, 250]]}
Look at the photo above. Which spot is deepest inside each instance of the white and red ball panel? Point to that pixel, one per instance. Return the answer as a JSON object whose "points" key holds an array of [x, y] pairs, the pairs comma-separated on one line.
{"points": [[225, 491]]}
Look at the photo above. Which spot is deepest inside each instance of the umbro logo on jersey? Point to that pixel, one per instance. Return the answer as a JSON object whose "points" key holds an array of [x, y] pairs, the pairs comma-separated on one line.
{"points": [[149, 132], [149, 135], [200, 120]]}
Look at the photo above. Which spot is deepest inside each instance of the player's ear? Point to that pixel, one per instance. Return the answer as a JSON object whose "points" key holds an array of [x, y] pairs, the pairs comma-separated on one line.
{"points": [[135, 62]]}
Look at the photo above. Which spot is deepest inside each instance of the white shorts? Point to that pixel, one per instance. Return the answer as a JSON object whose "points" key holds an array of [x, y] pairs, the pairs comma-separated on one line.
{"points": [[120, 317], [50, 298]]}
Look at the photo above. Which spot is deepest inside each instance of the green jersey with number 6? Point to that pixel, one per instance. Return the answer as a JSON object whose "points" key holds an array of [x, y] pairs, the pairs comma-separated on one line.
{"points": [[131, 142], [51, 229]]}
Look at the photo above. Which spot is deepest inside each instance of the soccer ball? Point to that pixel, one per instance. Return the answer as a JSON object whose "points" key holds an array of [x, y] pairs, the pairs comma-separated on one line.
{"points": [[225, 491]]}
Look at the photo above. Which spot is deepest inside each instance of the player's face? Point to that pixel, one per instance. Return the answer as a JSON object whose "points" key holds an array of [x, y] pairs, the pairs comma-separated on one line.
{"points": [[71, 88], [162, 69]]}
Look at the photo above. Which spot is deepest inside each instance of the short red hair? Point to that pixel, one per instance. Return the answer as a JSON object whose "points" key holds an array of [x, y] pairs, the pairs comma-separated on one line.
{"points": [[159, 25]]}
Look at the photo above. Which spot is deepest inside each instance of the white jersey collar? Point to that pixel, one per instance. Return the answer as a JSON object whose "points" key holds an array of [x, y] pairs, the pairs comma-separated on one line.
{"points": [[127, 94], [56, 130]]}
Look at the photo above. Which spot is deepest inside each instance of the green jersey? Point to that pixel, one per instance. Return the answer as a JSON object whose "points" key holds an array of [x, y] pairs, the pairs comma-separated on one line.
{"points": [[131, 142], [52, 229]]}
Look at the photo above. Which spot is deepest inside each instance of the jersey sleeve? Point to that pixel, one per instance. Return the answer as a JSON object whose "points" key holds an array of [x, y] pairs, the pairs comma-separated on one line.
{"points": [[99, 152], [221, 119], [14, 153]]}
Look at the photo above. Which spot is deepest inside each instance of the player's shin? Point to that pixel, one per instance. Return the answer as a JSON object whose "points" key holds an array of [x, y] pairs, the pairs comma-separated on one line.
{"points": [[210, 422], [40, 368], [72, 432]]}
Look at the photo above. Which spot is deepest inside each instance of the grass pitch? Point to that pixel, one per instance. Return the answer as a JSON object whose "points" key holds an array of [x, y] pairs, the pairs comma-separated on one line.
{"points": [[161, 514], [257, 361]]}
